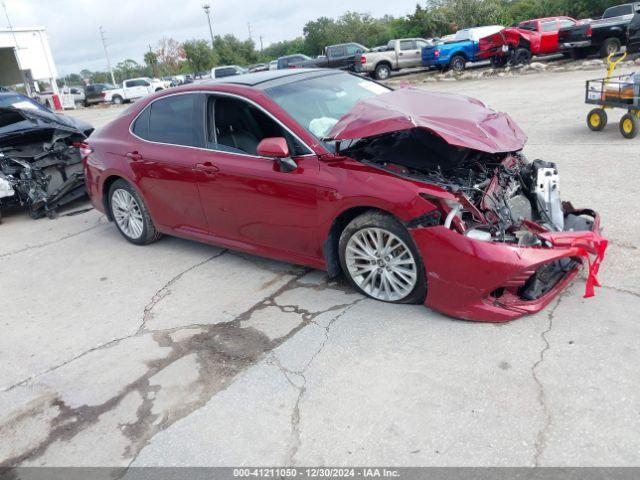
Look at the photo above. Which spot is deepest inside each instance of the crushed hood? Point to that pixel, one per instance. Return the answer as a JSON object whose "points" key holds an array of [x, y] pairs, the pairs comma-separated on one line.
{"points": [[15, 121], [460, 121]]}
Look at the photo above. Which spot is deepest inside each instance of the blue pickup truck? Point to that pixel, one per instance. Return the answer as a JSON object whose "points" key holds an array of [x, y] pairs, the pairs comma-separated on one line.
{"points": [[454, 52]]}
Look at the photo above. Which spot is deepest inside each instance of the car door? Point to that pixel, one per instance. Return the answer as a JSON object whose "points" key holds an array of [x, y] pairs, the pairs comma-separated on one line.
{"points": [[247, 198], [163, 159], [549, 36], [408, 54]]}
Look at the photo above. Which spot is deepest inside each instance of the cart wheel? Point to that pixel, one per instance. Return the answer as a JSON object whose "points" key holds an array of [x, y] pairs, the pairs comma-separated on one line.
{"points": [[629, 125], [597, 119]]}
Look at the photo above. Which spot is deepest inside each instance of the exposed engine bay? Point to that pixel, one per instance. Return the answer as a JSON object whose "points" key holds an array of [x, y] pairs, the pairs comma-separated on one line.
{"points": [[499, 196], [40, 165]]}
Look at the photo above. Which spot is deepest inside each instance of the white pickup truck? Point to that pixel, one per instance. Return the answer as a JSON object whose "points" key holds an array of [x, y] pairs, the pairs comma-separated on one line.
{"points": [[133, 89]]}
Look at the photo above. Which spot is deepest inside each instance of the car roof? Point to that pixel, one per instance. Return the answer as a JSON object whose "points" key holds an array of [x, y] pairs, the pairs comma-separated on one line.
{"points": [[270, 78], [546, 19]]}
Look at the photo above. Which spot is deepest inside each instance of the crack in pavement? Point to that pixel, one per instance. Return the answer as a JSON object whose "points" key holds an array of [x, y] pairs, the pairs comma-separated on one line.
{"points": [[157, 297], [541, 437], [53, 242], [621, 290], [302, 388], [221, 351], [165, 290]]}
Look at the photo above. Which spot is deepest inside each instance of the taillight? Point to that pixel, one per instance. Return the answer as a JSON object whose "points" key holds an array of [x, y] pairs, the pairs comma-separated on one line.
{"points": [[589, 31], [363, 59], [436, 53], [84, 149], [103, 95]]}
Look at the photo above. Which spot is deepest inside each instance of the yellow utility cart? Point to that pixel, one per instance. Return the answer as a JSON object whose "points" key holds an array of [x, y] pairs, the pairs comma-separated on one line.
{"points": [[615, 92]]}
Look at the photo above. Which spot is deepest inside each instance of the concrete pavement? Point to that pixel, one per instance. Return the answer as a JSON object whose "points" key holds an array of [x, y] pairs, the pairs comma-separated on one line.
{"points": [[185, 354]]}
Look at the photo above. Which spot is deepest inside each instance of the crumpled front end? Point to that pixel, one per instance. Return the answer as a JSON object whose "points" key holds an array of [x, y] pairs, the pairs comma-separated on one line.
{"points": [[498, 282], [40, 163]]}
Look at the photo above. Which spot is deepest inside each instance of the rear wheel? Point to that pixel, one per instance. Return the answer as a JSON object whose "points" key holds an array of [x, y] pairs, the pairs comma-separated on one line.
{"points": [[629, 125], [610, 46], [118, 100], [131, 214], [379, 258], [597, 119], [458, 63], [382, 72]]}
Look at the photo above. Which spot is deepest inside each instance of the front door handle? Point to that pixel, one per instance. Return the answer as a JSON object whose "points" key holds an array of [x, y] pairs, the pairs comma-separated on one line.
{"points": [[134, 156], [207, 167]]}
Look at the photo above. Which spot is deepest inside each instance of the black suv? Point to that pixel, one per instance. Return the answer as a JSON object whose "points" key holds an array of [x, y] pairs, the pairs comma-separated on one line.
{"points": [[93, 93]]}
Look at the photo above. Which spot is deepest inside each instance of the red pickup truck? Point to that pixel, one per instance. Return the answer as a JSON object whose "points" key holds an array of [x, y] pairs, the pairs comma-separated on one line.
{"points": [[519, 44]]}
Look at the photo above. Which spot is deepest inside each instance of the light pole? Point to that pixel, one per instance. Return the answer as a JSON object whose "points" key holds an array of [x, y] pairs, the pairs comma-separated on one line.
{"points": [[206, 7]]}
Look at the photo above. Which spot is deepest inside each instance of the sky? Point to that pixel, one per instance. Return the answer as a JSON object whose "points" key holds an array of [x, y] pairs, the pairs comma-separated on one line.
{"points": [[131, 26]]}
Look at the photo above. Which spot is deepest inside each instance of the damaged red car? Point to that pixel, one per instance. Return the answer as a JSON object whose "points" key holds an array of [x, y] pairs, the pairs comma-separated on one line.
{"points": [[415, 196]]}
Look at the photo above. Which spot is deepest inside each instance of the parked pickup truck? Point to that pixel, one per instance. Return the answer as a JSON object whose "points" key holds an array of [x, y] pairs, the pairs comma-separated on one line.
{"points": [[604, 36], [133, 89], [456, 53], [518, 44], [398, 54], [340, 56]]}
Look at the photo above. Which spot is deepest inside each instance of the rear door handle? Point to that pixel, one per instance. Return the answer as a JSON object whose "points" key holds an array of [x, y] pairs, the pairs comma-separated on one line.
{"points": [[207, 167], [134, 156]]}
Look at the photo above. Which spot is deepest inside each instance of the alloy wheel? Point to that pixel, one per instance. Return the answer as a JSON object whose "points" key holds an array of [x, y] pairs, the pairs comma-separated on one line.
{"points": [[381, 264], [127, 213]]}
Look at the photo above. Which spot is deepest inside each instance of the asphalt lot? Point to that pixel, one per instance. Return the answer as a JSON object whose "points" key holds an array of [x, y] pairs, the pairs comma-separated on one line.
{"points": [[185, 354]]}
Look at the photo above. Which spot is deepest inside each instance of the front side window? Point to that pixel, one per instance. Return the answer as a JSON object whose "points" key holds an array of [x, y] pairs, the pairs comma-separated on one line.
{"points": [[173, 120], [550, 26], [318, 103], [567, 23], [237, 126]]}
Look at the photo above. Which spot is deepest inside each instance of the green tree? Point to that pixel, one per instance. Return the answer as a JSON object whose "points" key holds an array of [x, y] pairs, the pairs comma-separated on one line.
{"points": [[231, 51], [151, 60], [199, 55]]}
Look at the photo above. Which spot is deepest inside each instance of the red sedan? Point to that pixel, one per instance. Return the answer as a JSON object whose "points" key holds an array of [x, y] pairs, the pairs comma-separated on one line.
{"points": [[415, 196]]}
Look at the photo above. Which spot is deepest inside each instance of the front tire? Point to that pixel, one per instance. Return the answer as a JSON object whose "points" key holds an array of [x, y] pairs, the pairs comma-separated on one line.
{"points": [[521, 56], [629, 125], [380, 259], [131, 215]]}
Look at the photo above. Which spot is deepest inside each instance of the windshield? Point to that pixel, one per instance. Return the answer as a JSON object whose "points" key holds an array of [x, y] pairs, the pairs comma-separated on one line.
{"points": [[20, 102], [318, 103]]}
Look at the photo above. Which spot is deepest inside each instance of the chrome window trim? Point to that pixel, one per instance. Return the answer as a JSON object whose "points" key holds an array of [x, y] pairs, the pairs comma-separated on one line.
{"points": [[227, 94]]}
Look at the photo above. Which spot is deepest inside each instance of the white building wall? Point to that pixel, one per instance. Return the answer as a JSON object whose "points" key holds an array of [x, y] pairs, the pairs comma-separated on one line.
{"points": [[33, 50]]}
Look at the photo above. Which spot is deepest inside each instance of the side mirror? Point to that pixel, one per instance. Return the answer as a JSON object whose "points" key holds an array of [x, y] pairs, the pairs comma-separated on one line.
{"points": [[277, 148]]}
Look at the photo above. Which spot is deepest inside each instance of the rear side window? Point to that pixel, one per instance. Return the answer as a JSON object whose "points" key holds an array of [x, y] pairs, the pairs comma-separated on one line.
{"points": [[353, 49], [618, 11], [175, 120]]}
